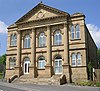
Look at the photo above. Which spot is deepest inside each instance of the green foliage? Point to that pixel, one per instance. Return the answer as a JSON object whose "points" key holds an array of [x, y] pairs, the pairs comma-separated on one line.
{"points": [[3, 59], [0, 75], [86, 83], [89, 83], [98, 57], [98, 84]]}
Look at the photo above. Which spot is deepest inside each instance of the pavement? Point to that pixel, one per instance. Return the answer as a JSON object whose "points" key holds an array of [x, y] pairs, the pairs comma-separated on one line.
{"points": [[35, 87]]}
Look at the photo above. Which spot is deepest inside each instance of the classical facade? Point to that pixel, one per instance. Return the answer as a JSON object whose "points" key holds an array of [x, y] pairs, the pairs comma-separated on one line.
{"points": [[46, 42]]}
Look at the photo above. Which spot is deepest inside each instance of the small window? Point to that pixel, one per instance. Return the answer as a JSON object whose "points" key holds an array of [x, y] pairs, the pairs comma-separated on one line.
{"points": [[72, 32], [27, 41], [73, 59], [41, 63], [42, 40], [78, 59], [77, 32], [57, 38]]}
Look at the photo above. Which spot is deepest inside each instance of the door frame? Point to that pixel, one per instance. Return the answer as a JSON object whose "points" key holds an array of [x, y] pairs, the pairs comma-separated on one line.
{"points": [[27, 62], [58, 62]]}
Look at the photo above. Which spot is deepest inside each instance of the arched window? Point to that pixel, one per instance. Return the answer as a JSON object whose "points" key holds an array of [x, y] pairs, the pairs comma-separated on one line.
{"points": [[79, 59], [57, 38], [77, 32], [42, 40], [13, 40], [12, 63], [41, 63], [72, 32], [73, 59], [27, 41]]}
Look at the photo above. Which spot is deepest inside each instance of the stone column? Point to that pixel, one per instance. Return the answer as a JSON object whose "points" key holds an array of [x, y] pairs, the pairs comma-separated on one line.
{"points": [[33, 54], [66, 67], [18, 70], [49, 53]]}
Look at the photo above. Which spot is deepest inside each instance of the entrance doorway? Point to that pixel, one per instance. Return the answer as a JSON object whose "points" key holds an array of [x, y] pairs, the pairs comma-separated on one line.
{"points": [[26, 65], [58, 65]]}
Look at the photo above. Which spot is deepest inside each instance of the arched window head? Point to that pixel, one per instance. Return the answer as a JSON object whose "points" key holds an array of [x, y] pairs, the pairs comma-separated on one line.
{"points": [[72, 32], [27, 41], [12, 62], [77, 32], [57, 38], [79, 61], [13, 40], [73, 59], [42, 40], [41, 63]]}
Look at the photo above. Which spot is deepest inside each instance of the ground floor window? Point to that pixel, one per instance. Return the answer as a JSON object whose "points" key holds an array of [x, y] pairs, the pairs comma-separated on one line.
{"points": [[41, 63]]}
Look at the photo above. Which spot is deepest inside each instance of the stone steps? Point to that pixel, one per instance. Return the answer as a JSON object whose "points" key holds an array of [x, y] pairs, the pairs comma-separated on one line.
{"points": [[54, 80]]}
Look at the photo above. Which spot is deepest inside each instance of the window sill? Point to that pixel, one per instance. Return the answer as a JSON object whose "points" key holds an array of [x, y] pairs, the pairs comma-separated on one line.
{"points": [[57, 45], [13, 46], [41, 69], [75, 39], [76, 66], [26, 48], [42, 47]]}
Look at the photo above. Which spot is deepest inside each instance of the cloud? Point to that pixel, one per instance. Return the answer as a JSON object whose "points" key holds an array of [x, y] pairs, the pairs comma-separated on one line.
{"points": [[3, 27], [95, 33]]}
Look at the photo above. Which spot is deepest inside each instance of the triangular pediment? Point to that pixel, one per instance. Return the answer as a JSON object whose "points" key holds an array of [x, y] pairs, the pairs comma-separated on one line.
{"points": [[41, 11]]}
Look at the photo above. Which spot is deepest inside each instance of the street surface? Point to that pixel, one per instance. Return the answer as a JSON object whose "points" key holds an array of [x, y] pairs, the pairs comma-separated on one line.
{"points": [[34, 87]]}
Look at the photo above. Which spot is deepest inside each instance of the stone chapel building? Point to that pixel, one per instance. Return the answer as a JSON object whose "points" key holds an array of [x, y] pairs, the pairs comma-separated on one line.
{"points": [[47, 42]]}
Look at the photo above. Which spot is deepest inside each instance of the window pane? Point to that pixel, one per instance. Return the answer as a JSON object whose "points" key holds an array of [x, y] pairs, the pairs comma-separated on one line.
{"points": [[78, 59], [73, 59], [42, 40], [77, 32], [72, 32]]}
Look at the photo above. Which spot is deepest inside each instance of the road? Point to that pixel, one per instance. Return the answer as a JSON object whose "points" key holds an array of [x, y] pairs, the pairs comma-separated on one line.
{"points": [[34, 87], [5, 88]]}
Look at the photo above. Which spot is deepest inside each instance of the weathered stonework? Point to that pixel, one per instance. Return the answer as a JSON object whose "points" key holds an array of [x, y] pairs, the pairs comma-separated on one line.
{"points": [[52, 20]]}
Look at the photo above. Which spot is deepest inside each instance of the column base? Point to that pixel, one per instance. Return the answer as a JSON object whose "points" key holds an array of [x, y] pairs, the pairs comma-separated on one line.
{"points": [[48, 72], [18, 71], [33, 71], [67, 72]]}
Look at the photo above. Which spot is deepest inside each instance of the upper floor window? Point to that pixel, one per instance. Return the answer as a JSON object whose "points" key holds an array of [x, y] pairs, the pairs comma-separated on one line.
{"points": [[57, 38], [41, 63], [76, 59], [12, 62], [27, 41], [72, 32], [13, 40], [77, 32], [42, 40]]}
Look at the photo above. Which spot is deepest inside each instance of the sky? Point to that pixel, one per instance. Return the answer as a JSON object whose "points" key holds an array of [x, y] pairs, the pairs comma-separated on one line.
{"points": [[12, 10]]}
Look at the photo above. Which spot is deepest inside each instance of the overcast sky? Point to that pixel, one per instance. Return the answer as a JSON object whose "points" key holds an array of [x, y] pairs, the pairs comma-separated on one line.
{"points": [[12, 10]]}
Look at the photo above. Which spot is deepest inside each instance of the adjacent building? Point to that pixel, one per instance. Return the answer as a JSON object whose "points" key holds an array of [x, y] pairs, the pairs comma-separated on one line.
{"points": [[46, 42]]}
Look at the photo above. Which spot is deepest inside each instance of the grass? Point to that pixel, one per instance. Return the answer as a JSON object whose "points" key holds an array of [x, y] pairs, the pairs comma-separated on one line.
{"points": [[0, 75], [89, 83]]}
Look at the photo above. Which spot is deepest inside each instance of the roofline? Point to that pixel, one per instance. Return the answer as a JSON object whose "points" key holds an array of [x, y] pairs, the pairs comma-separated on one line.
{"points": [[46, 6]]}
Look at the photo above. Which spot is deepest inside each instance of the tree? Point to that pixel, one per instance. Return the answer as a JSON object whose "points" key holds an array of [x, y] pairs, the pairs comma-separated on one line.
{"points": [[2, 62], [3, 59], [98, 57]]}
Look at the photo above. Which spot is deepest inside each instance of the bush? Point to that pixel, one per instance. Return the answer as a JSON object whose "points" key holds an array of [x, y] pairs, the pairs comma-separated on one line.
{"points": [[98, 84], [86, 83]]}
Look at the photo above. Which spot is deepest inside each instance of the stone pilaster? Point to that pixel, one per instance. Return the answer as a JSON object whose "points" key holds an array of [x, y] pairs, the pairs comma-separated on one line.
{"points": [[33, 54], [18, 70], [66, 67], [49, 53]]}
